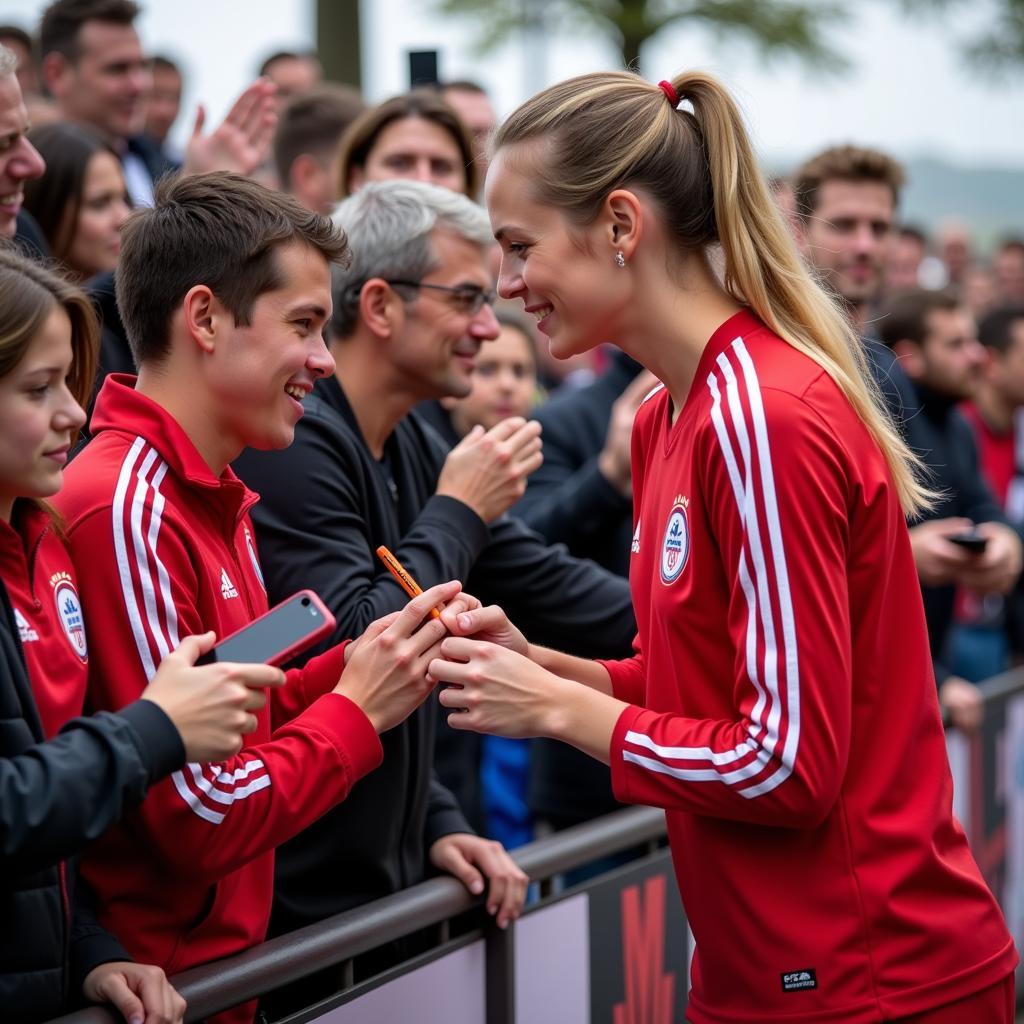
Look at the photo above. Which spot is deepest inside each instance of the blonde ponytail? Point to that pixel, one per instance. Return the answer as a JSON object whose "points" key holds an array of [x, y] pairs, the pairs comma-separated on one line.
{"points": [[613, 129], [764, 270]]}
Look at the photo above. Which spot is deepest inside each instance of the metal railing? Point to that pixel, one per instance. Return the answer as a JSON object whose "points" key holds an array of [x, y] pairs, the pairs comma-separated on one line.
{"points": [[336, 940]]}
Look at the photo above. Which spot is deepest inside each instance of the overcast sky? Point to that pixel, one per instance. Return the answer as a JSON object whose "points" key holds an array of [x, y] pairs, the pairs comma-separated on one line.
{"points": [[907, 92]]}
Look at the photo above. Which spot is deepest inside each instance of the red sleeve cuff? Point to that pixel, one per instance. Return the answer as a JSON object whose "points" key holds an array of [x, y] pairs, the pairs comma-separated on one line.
{"points": [[618, 764], [349, 730], [320, 675], [627, 682]]}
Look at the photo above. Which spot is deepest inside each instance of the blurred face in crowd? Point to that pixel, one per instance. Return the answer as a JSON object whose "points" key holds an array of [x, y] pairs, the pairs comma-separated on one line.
{"points": [[1008, 266], [105, 87], [103, 208], [955, 250], [435, 351], [415, 149], [904, 263], [28, 77], [978, 290], [19, 161], [504, 383], [477, 114], [1004, 372], [849, 235], [294, 75], [38, 415], [951, 359], [162, 103]]}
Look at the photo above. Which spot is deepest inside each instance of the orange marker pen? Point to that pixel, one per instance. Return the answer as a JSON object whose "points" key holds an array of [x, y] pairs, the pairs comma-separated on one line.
{"points": [[407, 583]]}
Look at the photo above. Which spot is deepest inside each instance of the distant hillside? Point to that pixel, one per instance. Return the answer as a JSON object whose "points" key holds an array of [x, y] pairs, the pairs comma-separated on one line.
{"points": [[990, 200]]}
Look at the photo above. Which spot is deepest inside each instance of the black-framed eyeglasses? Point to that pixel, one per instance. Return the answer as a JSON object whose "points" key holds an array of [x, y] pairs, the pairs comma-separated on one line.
{"points": [[468, 298]]}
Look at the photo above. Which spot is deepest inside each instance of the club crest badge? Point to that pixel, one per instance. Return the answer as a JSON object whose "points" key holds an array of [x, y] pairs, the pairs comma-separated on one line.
{"points": [[69, 610], [675, 548]]}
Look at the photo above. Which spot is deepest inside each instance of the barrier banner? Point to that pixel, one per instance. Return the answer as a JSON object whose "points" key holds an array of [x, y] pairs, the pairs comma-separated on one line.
{"points": [[638, 946]]}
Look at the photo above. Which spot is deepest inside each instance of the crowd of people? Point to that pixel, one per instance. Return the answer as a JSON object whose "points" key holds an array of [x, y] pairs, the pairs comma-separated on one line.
{"points": [[741, 459]]}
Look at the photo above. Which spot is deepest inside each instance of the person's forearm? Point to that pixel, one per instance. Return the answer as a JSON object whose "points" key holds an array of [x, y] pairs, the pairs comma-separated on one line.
{"points": [[586, 718], [579, 670]]}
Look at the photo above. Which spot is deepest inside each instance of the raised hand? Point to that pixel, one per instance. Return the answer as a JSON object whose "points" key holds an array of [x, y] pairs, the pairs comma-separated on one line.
{"points": [[242, 140]]}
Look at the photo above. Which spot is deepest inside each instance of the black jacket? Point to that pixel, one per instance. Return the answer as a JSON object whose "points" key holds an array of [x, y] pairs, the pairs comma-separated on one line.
{"points": [[326, 506], [567, 500], [934, 428], [55, 797]]}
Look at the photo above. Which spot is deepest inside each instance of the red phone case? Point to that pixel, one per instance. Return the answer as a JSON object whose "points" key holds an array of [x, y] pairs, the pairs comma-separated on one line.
{"points": [[325, 625]]}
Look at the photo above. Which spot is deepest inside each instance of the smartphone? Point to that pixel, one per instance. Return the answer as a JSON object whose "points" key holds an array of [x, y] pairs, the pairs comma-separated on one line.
{"points": [[277, 635], [971, 540]]}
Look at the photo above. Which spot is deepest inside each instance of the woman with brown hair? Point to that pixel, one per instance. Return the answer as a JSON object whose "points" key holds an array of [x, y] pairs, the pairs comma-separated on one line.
{"points": [[81, 201], [416, 135], [780, 705]]}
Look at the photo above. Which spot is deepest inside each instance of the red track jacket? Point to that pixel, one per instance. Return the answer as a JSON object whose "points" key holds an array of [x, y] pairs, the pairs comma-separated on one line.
{"points": [[785, 711], [164, 549]]}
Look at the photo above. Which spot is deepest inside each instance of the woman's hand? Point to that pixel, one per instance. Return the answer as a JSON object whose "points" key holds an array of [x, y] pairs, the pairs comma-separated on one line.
{"points": [[494, 689], [466, 617]]}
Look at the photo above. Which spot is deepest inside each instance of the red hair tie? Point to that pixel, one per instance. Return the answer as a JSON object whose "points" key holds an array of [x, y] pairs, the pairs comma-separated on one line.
{"points": [[670, 91]]}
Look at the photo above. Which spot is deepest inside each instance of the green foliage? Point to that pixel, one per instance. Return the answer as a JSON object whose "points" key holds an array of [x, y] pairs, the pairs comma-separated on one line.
{"points": [[776, 28]]}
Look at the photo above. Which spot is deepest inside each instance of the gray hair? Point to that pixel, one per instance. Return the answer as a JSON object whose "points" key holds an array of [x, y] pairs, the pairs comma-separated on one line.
{"points": [[388, 226], [8, 61]]}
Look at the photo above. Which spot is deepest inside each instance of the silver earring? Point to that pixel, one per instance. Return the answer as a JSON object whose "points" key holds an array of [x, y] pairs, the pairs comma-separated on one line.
{"points": [[620, 260]]}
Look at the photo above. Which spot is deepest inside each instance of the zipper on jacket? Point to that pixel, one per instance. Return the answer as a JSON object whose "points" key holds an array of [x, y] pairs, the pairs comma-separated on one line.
{"points": [[65, 899]]}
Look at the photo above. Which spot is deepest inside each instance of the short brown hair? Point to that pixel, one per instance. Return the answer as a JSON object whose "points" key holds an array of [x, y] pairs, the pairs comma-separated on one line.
{"points": [[844, 163], [905, 316], [218, 229], [425, 104], [63, 20], [314, 122]]}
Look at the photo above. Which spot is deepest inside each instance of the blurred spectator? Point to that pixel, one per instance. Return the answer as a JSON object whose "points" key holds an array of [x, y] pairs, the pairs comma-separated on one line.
{"points": [[471, 102], [292, 73], [80, 202], [996, 414], [19, 42], [504, 379], [978, 289], [306, 143], [846, 207], [417, 136], [163, 104], [410, 316], [93, 65], [905, 258], [782, 191], [1008, 267], [19, 161], [933, 338], [955, 250]]}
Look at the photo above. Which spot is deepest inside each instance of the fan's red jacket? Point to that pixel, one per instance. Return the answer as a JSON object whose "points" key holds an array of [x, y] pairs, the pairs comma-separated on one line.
{"points": [[785, 712], [163, 549]]}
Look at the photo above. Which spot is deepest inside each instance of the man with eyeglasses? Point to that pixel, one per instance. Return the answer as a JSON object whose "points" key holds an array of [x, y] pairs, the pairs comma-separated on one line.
{"points": [[410, 315]]}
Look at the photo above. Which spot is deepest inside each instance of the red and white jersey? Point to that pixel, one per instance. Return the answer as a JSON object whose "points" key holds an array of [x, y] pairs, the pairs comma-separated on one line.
{"points": [[785, 712], [36, 569], [164, 549]]}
